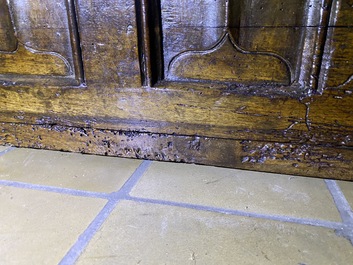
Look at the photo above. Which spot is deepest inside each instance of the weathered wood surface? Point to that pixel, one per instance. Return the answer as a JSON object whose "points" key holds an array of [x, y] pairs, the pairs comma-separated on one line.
{"points": [[113, 48], [211, 112], [287, 158], [108, 36]]}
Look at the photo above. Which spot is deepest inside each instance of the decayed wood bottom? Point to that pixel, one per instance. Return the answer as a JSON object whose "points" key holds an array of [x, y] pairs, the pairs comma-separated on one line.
{"points": [[287, 158]]}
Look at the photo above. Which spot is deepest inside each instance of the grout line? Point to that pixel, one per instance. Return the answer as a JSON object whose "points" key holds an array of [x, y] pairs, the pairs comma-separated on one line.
{"points": [[341, 202], [77, 249], [287, 219], [113, 199], [343, 208], [67, 191], [124, 190], [9, 149], [132, 181]]}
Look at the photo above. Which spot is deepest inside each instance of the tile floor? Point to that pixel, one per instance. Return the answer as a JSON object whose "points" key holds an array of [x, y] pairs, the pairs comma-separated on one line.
{"points": [[62, 208]]}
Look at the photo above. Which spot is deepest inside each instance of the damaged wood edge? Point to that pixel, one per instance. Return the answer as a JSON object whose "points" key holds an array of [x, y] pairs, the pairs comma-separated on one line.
{"points": [[296, 130], [286, 158]]}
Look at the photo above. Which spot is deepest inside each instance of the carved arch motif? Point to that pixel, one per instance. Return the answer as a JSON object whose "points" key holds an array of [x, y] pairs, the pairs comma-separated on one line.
{"points": [[37, 45], [227, 61], [238, 44]]}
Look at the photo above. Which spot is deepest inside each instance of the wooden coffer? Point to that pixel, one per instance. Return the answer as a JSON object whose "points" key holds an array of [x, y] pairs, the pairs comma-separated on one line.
{"points": [[263, 85]]}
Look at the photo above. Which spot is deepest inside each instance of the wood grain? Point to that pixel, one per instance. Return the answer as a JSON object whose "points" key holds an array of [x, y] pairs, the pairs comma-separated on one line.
{"points": [[109, 42]]}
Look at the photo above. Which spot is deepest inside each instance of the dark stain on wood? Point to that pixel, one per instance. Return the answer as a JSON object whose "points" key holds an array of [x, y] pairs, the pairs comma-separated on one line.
{"points": [[308, 154], [287, 158]]}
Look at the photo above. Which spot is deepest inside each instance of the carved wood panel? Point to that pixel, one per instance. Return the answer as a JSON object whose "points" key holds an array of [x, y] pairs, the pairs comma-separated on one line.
{"points": [[39, 42], [240, 43], [225, 82]]}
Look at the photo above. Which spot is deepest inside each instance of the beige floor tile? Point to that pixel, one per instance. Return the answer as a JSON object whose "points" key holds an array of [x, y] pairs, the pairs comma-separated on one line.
{"points": [[39, 227], [155, 234], [76, 171], [237, 189], [347, 189], [3, 148]]}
